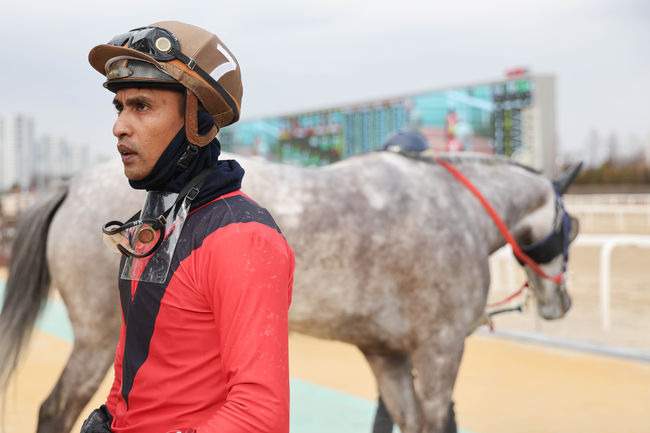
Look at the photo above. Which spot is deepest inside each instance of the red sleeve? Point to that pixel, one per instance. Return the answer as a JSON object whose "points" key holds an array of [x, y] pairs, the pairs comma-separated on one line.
{"points": [[247, 278], [114, 394]]}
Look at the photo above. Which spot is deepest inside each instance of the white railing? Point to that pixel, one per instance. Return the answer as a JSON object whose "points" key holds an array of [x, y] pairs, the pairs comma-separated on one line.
{"points": [[618, 205], [605, 242], [607, 199]]}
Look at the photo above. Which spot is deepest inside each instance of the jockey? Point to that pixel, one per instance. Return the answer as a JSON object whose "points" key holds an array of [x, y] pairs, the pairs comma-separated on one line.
{"points": [[408, 140], [205, 277]]}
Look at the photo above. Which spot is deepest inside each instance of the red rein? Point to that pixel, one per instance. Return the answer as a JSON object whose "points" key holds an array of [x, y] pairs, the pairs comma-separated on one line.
{"points": [[499, 223]]}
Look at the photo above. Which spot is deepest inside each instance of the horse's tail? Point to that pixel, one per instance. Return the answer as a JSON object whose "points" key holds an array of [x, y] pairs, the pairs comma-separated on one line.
{"points": [[28, 283]]}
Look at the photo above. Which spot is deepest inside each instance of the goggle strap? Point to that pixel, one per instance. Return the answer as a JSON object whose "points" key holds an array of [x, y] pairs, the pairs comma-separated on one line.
{"points": [[124, 251], [119, 227], [191, 190], [191, 63]]}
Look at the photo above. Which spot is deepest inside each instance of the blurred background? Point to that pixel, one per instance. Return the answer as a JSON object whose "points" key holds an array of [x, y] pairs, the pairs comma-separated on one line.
{"points": [[547, 83]]}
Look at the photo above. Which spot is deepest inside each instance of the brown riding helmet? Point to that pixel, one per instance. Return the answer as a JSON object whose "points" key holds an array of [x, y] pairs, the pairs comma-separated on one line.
{"points": [[167, 53]]}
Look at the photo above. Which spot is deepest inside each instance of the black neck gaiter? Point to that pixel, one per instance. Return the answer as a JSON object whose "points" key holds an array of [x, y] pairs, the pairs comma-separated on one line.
{"points": [[165, 176]]}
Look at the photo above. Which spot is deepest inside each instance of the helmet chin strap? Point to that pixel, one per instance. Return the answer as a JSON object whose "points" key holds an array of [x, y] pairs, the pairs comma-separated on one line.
{"points": [[192, 122], [192, 131]]}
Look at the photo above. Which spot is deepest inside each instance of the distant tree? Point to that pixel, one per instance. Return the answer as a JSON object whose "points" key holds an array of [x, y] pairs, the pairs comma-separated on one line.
{"points": [[633, 172], [594, 152], [613, 148]]}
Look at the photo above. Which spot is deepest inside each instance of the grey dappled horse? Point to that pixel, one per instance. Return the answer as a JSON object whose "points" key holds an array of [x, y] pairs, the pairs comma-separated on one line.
{"points": [[391, 256]]}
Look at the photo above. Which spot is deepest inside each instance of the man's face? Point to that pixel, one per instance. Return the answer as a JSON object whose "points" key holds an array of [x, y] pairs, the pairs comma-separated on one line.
{"points": [[147, 121]]}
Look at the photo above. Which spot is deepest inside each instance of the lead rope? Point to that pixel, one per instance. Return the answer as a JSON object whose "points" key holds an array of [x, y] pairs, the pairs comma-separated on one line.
{"points": [[486, 317], [508, 299]]}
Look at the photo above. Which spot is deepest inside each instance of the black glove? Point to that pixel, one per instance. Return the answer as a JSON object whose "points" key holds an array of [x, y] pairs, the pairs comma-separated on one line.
{"points": [[99, 421]]}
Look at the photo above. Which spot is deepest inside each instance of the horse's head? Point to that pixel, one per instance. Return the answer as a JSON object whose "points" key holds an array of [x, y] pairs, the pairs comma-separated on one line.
{"points": [[544, 236]]}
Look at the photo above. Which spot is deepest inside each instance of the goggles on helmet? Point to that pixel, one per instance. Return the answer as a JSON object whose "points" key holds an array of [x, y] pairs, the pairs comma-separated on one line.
{"points": [[158, 43], [164, 46]]}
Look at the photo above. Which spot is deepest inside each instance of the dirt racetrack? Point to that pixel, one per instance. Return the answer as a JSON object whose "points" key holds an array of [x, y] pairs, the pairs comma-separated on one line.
{"points": [[503, 386]]}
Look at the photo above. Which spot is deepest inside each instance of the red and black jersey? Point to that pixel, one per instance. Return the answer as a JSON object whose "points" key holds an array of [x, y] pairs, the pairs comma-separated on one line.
{"points": [[208, 349]]}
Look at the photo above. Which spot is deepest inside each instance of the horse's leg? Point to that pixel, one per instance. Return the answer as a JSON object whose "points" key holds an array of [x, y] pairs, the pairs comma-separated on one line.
{"points": [[96, 320], [436, 361], [85, 273], [79, 381], [395, 381], [383, 422]]}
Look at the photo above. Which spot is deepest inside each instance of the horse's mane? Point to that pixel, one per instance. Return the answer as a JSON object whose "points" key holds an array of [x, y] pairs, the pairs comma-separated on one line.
{"points": [[467, 157]]}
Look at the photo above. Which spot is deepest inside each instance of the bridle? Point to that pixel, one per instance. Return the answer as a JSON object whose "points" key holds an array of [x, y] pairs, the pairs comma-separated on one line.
{"points": [[537, 253], [556, 242], [540, 252]]}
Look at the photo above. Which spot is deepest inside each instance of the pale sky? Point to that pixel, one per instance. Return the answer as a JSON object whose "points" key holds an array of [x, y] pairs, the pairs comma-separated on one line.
{"points": [[297, 55]]}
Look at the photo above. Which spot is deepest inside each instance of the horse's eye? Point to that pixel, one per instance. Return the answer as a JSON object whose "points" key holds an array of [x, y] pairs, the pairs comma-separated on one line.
{"points": [[526, 238]]}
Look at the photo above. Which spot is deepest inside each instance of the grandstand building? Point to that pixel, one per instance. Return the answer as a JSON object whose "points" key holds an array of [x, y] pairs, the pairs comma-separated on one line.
{"points": [[514, 117]]}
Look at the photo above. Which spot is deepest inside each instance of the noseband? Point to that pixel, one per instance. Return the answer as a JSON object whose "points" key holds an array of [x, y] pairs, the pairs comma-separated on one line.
{"points": [[556, 242]]}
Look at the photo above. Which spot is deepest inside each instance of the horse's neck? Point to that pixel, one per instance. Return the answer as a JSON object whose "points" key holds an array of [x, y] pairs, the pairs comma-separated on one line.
{"points": [[513, 192]]}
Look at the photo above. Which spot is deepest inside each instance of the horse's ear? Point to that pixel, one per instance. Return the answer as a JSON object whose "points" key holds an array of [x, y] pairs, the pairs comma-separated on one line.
{"points": [[562, 183]]}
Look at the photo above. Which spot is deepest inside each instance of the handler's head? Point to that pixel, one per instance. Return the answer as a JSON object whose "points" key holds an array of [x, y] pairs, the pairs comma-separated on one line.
{"points": [[162, 75]]}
